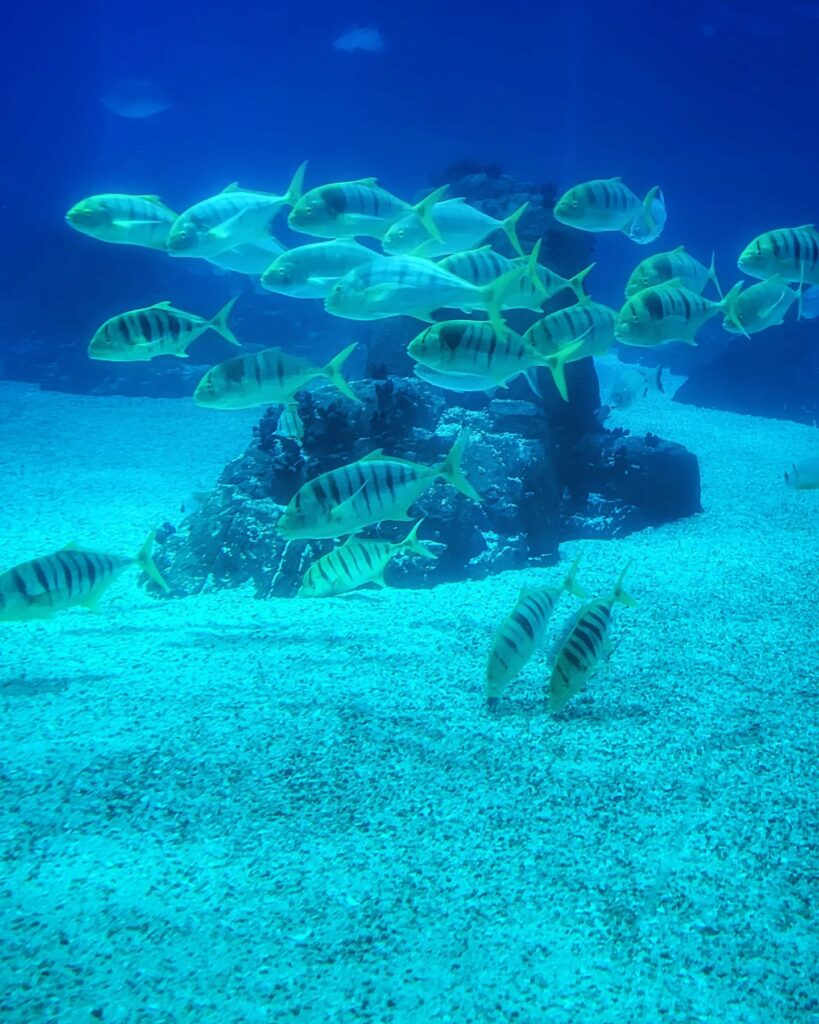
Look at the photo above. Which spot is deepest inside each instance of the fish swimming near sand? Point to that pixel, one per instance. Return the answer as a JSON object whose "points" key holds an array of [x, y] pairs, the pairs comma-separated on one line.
{"points": [[804, 475], [585, 643], [634, 383], [311, 271], [521, 632], [376, 488], [159, 330], [666, 266], [606, 204], [356, 562], [67, 578], [123, 219], [666, 313], [268, 377], [459, 226]]}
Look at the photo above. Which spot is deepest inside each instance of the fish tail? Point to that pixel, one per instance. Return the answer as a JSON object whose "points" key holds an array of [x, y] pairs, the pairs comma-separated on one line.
{"points": [[510, 226], [294, 189], [570, 583], [576, 282], [332, 371], [145, 561], [619, 594], [219, 323], [423, 211], [411, 543], [495, 293], [712, 276], [557, 366], [450, 468], [729, 307]]}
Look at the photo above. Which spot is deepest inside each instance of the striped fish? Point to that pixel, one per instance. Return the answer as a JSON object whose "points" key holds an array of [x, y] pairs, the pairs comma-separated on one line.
{"points": [[372, 490], [233, 218], [459, 226], [804, 475], [475, 347], [357, 209], [793, 253], [290, 423], [584, 644], [268, 377], [759, 307], [521, 632], [159, 330], [357, 562], [73, 576], [123, 219], [310, 271], [604, 205], [483, 266], [412, 286], [667, 312], [577, 332], [665, 266]]}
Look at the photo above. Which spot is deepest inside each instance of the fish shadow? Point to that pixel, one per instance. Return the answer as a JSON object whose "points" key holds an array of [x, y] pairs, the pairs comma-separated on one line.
{"points": [[37, 686]]}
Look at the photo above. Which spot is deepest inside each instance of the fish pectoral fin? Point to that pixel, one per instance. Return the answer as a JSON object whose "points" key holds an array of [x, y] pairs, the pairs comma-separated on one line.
{"points": [[376, 453], [339, 513], [133, 223], [222, 232], [380, 293]]}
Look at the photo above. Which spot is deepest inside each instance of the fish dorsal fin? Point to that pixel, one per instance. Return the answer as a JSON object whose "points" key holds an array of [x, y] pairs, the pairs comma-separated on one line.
{"points": [[71, 546], [165, 304], [232, 187], [365, 181], [377, 453], [805, 227], [151, 199], [524, 593], [680, 248], [617, 181]]}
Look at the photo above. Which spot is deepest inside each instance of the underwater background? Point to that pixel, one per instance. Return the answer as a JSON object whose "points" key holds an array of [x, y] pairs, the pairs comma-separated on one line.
{"points": [[235, 804]]}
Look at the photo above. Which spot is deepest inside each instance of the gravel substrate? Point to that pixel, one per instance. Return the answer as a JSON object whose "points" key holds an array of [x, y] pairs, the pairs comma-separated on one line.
{"points": [[224, 810]]}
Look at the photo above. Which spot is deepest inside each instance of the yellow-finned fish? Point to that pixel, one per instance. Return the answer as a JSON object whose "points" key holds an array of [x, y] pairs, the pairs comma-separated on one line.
{"points": [[793, 253], [268, 377], [70, 577], [158, 330], [569, 335], [584, 644], [760, 306], [606, 204], [371, 490], [667, 312], [310, 271], [235, 217], [358, 209], [521, 632], [459, 226], [804, 475], [123, 219], [666, 266], [356, 562]]}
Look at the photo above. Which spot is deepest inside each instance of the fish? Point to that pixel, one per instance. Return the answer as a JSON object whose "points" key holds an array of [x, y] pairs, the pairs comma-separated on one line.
{"points": [[633, 383], [590, 321], [369, 40], [159, 330], [760, 306], [268, 377], [123, 219], [311, 271], [252, 259], [665, 266], [804, 475], [135, 98], [376, 488], [459, 227], [412, 286], [290, 424], [358, 209], [476, 347], [521, 632], [667, 312], [68, 578], [648, 225], [585, 642], [235, 217], [606, 205], [356, 562], [792, 253], [484, 265]]}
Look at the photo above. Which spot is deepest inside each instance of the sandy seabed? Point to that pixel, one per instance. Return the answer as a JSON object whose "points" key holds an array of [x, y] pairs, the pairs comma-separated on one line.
{"points": [[218, 809]]}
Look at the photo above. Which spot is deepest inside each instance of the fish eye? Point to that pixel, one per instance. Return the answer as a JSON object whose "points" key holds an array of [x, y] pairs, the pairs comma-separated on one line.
{"points": [[575, 204]]}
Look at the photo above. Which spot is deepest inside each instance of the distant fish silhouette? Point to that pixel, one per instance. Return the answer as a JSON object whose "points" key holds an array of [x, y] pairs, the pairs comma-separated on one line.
{"points": [[368, 39], [135, 98]]}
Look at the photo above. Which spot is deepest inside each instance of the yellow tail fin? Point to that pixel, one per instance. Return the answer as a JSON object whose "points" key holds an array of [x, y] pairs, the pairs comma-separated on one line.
{"points": [[450, 468], [146, 563], [424, 211], [332, 371], [219, 323], [294, 189], [510, 226]]}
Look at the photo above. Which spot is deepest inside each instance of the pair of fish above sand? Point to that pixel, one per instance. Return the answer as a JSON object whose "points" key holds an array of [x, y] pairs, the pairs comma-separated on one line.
{"points": [[606, 204]]}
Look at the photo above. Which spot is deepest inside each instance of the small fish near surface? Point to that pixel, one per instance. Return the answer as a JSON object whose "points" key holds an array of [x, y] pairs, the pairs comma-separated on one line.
{"points": [[159, 330], [233, 218], [521, 632], [311, 271], [792, 253], [356, 562], [804, 475], [585, 643], [269, 377], [123, 219], [358, 209], [371, 490], [459, 226], [666, 313], [67, 578], [606, 204], [634, 383], [666, 266]]}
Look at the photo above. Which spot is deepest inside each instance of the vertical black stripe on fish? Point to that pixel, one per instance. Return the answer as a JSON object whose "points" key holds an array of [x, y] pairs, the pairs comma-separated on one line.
{"points": [[524, 624], [653, 305], [586, 636], [332, 484], [775, 244], [365, 554], [322, 570], [20, 584], [686, 306], [797, 249], [144, 326], [573, 658], [68, 574], [388, 477], [42, 579]]}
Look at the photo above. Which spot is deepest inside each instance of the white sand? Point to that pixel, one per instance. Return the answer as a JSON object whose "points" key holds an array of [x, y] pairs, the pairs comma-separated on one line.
{"points": [[219, 809]]}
